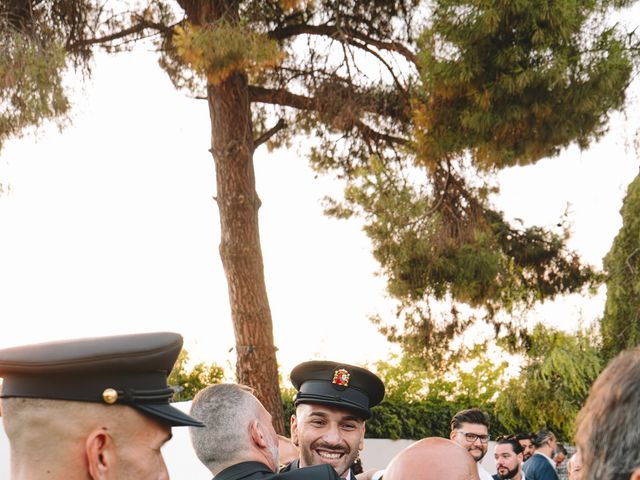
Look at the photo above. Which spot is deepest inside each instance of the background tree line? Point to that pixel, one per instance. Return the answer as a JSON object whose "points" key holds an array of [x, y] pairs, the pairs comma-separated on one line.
{"points": [[550, 388]]}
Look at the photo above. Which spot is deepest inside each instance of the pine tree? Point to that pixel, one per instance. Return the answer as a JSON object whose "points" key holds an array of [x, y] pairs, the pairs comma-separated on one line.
{"points": [[414, 104]]}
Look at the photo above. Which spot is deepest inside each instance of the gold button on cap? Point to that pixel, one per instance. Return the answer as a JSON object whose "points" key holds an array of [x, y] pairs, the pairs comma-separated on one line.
{"points": [[110, 396]]}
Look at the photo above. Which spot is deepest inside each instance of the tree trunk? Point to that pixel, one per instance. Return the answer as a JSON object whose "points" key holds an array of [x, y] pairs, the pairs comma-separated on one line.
{"points": [[232, 147], [238, 202]]}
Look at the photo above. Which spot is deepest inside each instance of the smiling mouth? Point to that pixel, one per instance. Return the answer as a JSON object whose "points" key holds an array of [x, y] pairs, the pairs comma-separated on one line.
{"points": [[326, 455]]}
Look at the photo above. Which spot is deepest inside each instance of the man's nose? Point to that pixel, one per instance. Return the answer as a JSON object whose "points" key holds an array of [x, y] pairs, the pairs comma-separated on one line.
{"points": [[332, 434]]}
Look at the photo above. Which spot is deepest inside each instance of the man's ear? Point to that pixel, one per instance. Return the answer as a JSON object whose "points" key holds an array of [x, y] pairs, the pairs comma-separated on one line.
{"points": [[635, 475], [101, 456], [294, 431], [452, 435], [361, 444], [257, 435]]}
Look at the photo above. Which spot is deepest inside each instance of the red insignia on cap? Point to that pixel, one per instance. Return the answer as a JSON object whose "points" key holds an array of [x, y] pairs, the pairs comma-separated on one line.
{"points": [[341, 377]]}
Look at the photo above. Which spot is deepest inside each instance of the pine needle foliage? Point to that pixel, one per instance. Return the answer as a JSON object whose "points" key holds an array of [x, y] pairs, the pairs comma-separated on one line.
{"points": [[620, 324], [31, 88], [220, 49], [511, 82]]}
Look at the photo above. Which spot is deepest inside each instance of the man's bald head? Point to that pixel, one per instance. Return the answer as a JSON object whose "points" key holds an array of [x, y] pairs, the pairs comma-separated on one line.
{"points": [[120, 433], [431, 459]]}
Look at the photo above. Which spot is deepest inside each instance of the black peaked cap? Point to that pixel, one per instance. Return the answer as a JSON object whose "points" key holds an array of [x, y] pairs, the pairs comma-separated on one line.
{"points": [[338, 385], [125, 369]]}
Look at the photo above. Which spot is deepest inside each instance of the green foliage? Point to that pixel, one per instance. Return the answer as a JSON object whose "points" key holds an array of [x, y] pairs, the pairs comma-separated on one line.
{"points": [[31, 89], [553, 384], [190, 382], [454, 248], [620, 325], [420, 401], [515, 81]]}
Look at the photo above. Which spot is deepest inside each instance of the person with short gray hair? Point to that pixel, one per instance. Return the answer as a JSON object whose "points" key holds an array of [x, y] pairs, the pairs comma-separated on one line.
{"points": [[608, 435], [226, 408], [238, 440]]}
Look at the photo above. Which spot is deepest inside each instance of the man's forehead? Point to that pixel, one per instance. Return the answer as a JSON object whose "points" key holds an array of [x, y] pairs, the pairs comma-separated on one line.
{"points": [[503, 448], [309, 409], [474, 428]]}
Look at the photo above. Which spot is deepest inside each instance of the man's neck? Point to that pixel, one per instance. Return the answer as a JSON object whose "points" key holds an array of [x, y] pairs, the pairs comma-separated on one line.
{"points": [[546, 451]]}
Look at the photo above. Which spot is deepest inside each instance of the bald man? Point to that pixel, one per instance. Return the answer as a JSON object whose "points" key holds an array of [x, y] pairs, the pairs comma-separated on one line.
{"points": [[432, 459]]}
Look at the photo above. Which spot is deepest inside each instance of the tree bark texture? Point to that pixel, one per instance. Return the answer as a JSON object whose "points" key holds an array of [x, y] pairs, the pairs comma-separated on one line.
{"points": [[238, 202]]}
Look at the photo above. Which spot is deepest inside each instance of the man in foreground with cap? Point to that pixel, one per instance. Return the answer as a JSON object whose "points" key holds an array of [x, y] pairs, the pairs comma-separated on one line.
{"points": [[332, 405], [95, 408], [239, 441]]}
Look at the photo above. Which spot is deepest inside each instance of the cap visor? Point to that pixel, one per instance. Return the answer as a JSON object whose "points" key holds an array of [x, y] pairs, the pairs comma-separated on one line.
{"points": [[169, 415]]}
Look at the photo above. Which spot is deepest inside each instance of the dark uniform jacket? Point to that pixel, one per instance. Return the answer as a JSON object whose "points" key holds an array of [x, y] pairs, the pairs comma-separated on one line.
{"points": [[259, 471], [295, 467]]}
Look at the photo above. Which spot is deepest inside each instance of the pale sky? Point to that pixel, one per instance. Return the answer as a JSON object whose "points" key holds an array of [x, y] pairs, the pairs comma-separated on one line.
{"points": [[110, 227]]}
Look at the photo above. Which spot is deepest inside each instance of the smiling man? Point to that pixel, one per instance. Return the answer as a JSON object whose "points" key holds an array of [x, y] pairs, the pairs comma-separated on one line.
{"points": [[332, 405], [470, 430]]}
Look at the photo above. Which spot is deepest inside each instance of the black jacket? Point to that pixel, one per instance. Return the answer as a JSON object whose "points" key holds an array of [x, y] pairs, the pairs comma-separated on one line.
{"points": [[295, 465], [259, 471]]}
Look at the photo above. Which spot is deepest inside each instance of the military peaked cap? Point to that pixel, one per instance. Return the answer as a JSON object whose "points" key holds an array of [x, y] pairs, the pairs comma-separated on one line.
{"points": [[338, 385], [125, 370]]}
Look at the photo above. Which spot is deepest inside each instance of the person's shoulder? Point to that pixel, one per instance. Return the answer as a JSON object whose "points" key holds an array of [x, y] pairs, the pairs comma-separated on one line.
{"points": [[308, 473]]}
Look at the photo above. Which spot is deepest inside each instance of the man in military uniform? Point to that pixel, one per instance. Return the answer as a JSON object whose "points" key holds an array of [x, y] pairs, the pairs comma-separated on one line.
{"points": [[94, 408], [332, 405], [239, 441]]}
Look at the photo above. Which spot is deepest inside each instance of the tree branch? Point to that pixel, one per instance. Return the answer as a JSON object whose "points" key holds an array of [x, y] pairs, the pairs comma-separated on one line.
{"points": [[332, 31], [269, 133], [369, 132], [139, 27], [281, 96]]}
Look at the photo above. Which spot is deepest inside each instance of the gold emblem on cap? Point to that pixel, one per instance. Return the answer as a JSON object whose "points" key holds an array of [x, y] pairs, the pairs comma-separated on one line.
{"points": [[341, 377], [110, 396]]}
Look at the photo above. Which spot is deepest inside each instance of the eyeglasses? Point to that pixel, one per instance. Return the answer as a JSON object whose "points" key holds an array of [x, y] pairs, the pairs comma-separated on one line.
{"points": [[472, 437]]}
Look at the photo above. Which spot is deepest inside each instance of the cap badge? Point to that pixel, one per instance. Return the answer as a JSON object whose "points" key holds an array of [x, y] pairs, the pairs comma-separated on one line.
{"points": [[341, 377], [110, 396]]}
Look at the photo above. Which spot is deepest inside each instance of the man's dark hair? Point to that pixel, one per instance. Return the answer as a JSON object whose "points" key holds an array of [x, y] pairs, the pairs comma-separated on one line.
{"points": [[524, 436], [608, 435], [542, 437], [560, 449], [517, 448], [471, 415]]}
